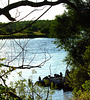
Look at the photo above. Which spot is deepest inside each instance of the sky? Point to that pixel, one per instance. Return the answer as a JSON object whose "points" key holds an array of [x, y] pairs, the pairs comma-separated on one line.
{"points": [[21, 12]]}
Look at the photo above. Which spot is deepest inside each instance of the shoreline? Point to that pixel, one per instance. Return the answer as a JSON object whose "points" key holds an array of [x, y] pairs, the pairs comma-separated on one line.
{"points": [[23, 36]]}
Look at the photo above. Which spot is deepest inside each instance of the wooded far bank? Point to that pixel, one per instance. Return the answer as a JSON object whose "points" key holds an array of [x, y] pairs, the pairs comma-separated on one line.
{"points": [[39, 29]]}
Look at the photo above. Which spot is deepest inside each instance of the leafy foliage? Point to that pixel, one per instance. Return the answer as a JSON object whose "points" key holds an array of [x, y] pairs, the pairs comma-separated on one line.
{"points": [[27, 90], [41, 25], [5, 91], [73, 32], [22, 88]]}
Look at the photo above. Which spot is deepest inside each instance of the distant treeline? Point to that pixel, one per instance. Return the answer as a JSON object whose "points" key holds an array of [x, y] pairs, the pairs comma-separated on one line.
{"points": [[41, 27]]}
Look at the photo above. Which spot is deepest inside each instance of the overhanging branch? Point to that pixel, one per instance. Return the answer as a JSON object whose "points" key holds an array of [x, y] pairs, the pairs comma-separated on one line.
{"points": [[5, 10], [29, 66]]}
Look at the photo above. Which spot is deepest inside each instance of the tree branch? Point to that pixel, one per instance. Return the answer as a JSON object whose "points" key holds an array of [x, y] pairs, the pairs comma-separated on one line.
{"points": [[23, 66], [14, 95], [5, 10], [29, 66]]}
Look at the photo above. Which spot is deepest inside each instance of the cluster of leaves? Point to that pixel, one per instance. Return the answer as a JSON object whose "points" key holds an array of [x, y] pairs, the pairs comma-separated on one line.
{"points": [[86, 85], [22, 88], [27, 90], [5, 91], [79, 77], [73, 32]]}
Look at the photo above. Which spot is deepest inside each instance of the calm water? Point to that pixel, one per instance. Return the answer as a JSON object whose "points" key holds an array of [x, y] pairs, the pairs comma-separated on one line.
{"points": [[35, 52]]}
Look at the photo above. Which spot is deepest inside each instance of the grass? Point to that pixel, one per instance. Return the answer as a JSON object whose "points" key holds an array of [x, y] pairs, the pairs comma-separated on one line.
{"points": [[38, 33], [23, 35]]}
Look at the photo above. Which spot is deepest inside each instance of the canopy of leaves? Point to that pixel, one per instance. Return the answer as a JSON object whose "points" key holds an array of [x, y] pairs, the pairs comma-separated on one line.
{"points": [[73, 32]]}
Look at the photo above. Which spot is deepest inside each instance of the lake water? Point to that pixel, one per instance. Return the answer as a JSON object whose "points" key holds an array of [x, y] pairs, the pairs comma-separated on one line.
{"points": [[35, 52]]}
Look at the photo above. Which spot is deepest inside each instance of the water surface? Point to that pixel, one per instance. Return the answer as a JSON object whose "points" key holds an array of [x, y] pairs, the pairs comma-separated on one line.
{"points": [[33, 52]]}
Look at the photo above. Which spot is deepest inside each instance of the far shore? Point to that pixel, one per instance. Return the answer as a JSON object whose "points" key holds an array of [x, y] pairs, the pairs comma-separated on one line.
{"points": [[22, 36]]}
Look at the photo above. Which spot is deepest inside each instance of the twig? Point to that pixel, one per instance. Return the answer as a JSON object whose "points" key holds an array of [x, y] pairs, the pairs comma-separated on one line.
{"points": [[3, 44], [47, 94], [31, 23]]}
